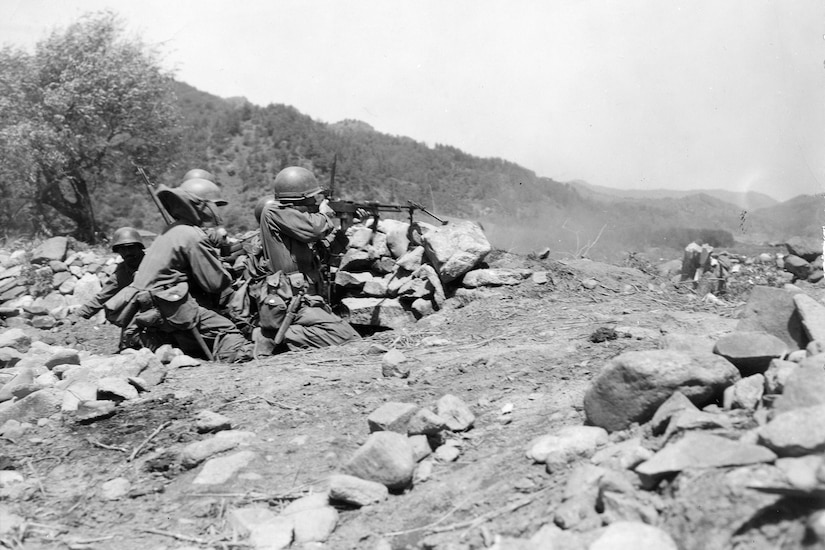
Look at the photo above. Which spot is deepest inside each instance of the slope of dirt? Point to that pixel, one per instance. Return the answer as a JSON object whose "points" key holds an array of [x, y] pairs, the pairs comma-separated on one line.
{"points": [[526, 347]]}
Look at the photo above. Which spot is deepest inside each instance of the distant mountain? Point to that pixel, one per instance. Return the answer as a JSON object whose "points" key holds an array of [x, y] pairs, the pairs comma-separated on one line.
{"points": [[750, 200], [246, 145]]}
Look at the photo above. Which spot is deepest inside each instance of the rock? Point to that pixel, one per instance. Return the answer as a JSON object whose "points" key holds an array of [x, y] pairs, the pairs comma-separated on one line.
{"points": [[633, 385], [9, 522], [16, 339], [9, 357], [312, 518], [116, 388], [626, 507], [426, 422], [386, 457], [807, 249], [751, 352], [421, 447], [625, 455], [198, 451], [447, 453], [701, 450], [392, 365], [220, 470], [632, 535], [265, 529], [356, 491], [63, 356], [569, 442], [94, 410], [494, 277], [54, 248], [777, 375], [688, 419], [812, 313], [76, 392], [40, 404], [208, 421], [772, 310], [23, 379], [718, 500], [392, 417], [795, 432], [803, 387], [577, 512], [182, 361], [674, 404], [745, 394], [456, 248], [799, 268], [412, 259], [115, 489], [456, 414], [379, 312]]}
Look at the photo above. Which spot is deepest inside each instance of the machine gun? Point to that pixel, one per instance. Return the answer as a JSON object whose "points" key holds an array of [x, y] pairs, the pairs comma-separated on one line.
{"points": [[346, 211]]}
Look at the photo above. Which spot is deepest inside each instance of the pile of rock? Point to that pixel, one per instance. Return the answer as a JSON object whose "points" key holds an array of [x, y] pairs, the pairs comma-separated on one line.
{"points": [[394, 272], [701, 432], [39, 381], [711, 271], [804, 259], [38, 286]]}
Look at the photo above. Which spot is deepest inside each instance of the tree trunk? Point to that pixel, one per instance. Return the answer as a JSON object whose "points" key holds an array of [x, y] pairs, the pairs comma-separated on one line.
{"points": [[77, 206]]}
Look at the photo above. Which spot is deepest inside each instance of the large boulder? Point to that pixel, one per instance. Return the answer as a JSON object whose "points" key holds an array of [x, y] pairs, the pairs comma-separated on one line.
{"points": [[772, 310], [632, 386], [456, 248]]}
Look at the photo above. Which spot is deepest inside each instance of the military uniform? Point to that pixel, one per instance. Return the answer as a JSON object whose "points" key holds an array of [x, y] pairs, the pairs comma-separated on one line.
{"points": [[182, 254], [121, 278], [289, 234]]}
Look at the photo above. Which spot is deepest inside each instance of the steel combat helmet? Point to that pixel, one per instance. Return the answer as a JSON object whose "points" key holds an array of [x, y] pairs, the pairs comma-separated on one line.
{"points": [[295, 184], [204, 190], [126, 236], [197, 173]]}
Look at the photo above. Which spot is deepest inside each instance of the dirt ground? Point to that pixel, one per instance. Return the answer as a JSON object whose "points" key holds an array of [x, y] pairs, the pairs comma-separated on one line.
{"points": [[526, 347]]}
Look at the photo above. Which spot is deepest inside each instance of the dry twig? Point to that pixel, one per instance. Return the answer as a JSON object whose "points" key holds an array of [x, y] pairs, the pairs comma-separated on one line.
{"points": [[147, 440]]}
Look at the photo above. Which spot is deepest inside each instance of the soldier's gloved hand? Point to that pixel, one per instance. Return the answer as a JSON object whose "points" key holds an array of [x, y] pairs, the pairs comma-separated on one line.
{"points": [[325, 209]]}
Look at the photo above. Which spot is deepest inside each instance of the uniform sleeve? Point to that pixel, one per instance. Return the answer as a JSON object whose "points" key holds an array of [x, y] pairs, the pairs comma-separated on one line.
{"points": [[110, 287], [207, 270], [302, 226]]}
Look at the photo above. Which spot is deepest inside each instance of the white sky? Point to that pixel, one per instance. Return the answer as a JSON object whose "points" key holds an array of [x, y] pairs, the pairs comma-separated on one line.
{"points": [[635, 94]]}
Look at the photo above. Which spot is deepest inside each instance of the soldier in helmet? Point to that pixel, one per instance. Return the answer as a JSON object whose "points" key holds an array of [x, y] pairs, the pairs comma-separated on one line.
{"points": [[179, 266], [291, 226], [126, 241], [199, 173]]}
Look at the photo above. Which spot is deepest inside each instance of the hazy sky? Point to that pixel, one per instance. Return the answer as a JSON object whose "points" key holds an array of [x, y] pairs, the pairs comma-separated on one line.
{"points": [[633, 94]]}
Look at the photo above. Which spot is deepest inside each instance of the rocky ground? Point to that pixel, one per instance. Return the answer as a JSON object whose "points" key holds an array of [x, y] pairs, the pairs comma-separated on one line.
{"points": [[521, 359]]}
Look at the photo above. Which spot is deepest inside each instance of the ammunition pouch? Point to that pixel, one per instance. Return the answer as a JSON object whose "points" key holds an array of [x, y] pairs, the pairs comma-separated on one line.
{"points": [[275, 295], [176, 307]]}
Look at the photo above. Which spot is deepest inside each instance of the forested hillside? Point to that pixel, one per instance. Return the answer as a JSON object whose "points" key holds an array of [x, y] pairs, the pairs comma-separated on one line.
{"points": [[246, 145]]}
